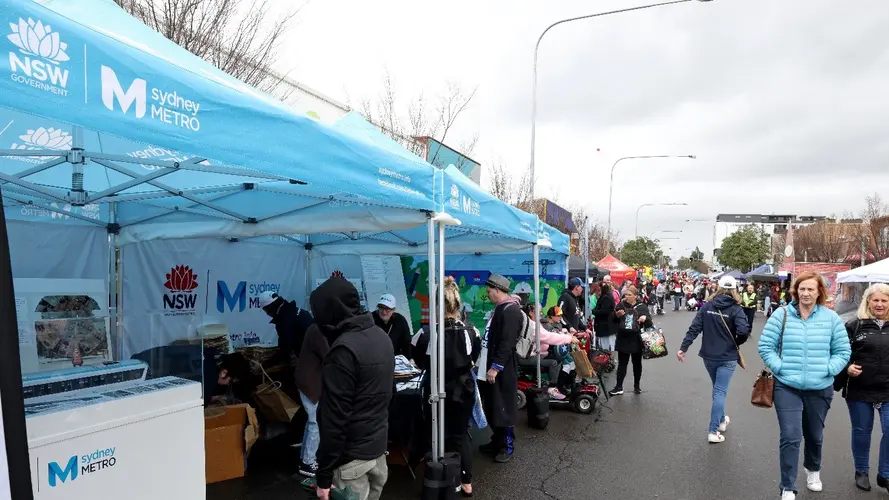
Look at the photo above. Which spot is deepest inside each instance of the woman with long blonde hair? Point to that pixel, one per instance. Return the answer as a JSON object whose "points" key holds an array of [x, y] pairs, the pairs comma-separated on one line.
{"points": [[461, 352], [865, 383]]}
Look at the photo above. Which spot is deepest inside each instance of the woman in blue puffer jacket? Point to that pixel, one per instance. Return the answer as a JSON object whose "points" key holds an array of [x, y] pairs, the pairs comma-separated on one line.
{"points": [[814, 349]]}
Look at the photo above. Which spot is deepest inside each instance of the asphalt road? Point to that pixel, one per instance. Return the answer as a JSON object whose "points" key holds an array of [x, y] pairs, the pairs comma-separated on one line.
{"points": [[648, 446]]}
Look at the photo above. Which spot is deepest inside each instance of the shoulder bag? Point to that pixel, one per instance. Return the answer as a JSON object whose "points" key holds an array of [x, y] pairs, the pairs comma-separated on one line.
{"points": [[764, 388], [741, 361]]}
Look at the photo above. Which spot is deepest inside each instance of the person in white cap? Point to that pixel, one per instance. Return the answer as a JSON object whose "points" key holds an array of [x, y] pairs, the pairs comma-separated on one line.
{"points": [[291, 323], [724, 326], [394, 324]]}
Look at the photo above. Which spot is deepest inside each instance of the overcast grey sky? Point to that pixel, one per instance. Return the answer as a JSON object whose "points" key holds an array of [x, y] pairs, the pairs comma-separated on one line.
{"points": [[783, 101]]}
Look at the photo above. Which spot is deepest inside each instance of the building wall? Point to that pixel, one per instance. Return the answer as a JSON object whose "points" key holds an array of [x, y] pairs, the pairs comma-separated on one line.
{"points": [[773, 225]]}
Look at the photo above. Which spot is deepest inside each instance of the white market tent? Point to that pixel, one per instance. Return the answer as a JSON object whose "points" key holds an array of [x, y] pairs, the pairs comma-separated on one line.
{"points": [[878, 272]]}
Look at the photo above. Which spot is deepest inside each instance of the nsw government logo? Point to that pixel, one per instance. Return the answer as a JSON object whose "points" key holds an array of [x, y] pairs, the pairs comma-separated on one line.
{"points": [[80, 465], [38, 61], [41, 138], [181, 283]]}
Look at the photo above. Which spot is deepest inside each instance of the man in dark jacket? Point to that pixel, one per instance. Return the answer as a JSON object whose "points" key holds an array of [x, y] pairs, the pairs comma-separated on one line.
{"points": [[394, 324], [500, 362], [568, 304], [290, 322], [356, 388]]}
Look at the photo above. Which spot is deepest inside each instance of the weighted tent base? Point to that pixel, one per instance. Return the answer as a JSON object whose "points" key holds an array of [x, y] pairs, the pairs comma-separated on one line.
{"points": [[441, 479], [538, 408]]}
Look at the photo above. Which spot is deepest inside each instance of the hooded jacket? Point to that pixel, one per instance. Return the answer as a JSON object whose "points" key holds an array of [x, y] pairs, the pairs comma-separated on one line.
{"points": [[870, 349], [717, 343], [291, 324], [356, 380]]}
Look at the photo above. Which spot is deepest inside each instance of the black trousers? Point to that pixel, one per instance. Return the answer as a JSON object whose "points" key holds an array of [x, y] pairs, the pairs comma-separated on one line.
{"points": [[751, 314], [549, 366], [623, 359], [504, 438], [457, 437]]}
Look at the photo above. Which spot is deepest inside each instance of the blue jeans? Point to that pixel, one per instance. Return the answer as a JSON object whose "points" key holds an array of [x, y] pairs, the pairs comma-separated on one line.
{"points": [[311, 436], [801, 416], [677, 302], [720, 374], [861, 414]]}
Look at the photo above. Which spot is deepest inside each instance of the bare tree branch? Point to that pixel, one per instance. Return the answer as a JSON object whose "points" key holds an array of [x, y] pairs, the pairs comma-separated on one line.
{"points": [[240, 38]]}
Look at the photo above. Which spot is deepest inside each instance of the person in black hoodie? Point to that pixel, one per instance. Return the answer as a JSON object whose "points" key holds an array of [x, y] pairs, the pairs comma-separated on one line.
{"points": [[357, 378], [865, 383], [291, 323], [630, 316], [724, 326], [498, 368], [603, 325], [568, 304]]}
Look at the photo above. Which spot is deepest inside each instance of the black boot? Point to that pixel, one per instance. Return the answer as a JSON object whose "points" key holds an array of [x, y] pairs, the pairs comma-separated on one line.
{"points": [[637, 389], [882, 482], [862, 481]]}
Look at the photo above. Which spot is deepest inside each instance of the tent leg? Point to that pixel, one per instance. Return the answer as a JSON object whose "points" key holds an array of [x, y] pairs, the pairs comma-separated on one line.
{"points": [[309, 256], [114, 284], [441, 329], [537, 310], [433, 341], [586, 279]]}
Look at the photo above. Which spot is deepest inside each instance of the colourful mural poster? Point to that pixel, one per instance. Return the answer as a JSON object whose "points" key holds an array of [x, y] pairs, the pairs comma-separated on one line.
{"points": [[471, 272]]}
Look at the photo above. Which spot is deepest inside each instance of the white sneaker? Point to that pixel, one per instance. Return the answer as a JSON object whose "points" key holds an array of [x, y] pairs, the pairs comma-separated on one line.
{"points": [[715, 437], [788, 495], [724, 425], [813, 480]]}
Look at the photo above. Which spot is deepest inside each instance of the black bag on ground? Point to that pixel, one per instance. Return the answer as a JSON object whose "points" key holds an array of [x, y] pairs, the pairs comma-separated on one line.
{"points": [[441, 479], [538, 408]]}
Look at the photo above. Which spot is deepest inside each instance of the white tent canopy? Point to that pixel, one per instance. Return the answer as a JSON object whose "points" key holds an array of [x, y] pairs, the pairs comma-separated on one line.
{"points": [[878, 272]]}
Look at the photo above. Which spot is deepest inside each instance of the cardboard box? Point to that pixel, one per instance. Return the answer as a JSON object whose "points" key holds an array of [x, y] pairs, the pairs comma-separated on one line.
{"points": [[229, 433]]}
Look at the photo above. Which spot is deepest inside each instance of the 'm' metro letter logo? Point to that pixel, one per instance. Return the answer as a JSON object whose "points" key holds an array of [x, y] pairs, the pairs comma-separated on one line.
{"points": [[232, 300], [69, 472], [111, 89]]}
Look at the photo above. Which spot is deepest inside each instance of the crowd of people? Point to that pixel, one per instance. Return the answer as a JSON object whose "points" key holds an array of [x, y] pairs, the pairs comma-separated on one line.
{"points": [[346, 357]]}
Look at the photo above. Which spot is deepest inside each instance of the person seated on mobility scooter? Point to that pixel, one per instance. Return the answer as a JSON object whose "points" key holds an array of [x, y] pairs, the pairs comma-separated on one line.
{"points": [[558, 336]]}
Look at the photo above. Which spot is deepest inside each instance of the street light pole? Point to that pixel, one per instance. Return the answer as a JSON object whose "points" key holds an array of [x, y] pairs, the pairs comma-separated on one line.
{"points": [[536, 50], [654, 205], [611, 182]]}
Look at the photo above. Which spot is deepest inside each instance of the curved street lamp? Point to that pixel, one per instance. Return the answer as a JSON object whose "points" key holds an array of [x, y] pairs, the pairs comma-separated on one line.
{"points": [[655, 205], [534, 125]]}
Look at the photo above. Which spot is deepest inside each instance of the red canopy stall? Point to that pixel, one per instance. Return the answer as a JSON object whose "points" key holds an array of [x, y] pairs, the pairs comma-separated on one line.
{"points": [[619, 271]]}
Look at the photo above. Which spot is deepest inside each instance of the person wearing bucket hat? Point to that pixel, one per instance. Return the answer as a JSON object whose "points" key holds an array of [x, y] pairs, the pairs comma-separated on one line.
{"points": [[498, 367], [394, 324]]}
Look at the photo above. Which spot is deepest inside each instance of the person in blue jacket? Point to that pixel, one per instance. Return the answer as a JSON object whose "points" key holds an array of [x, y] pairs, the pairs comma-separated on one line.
{"points": [[805, 345], [724, 326]]}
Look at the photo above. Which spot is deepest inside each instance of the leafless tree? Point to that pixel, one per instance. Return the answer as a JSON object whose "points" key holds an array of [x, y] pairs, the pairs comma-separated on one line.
{"points": [[507, 188], [420, 116], [826, 241], [874, 233], [240, 38], [597, 233]]}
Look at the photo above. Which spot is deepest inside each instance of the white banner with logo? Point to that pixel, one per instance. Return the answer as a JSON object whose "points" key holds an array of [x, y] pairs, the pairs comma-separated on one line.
{"points": [[173, 287]]}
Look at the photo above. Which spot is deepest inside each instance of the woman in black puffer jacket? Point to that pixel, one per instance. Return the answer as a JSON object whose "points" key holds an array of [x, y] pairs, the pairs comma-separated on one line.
{"points": [[865, 382], [631, 316], [603, 326]]}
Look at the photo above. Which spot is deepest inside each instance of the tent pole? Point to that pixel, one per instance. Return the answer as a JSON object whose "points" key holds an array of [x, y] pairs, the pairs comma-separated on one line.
{"points": [[537, 309], [441, 333], [586, 263], [433, 340], [308, 247], [113, 278]]}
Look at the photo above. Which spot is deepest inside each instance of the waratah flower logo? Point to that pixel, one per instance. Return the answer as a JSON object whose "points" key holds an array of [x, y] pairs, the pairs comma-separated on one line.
{"points": [[45, 138], [181, 279], [36, 39]]}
